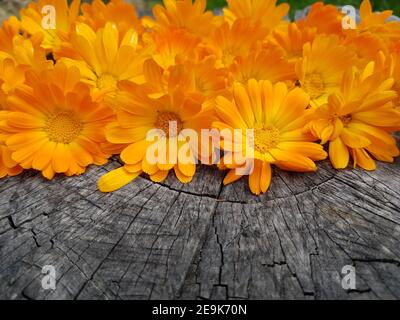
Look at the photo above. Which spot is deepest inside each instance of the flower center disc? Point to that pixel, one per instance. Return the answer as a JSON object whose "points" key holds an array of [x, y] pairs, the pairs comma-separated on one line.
{"points": [[314, 85], [107, 81], [265, 139], [63, 127], [167, 121], [346, 119]]}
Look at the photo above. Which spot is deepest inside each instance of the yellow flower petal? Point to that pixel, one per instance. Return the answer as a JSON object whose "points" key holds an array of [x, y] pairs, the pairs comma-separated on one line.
{"points": [[255, 178], [159, 176], [135, 152], [231, 177], [354, 140], [266, 175], [363, 159], [338, 154], [116, 179]]}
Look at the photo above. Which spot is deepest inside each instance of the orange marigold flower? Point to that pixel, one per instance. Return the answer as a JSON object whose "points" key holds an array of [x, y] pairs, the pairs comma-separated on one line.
{"points": [[140, 113], [277, 117], [105, 58], [173, 47], [8, 30], [12, 76], [65, 16], [321, 69], [373, 34], [327, 19], [230, 41], [184, 15], [22, 50], [201, 77], [366, 46], [54, 126], [396, 75], [370, 19], [118, 12], [266, 64], [292, 39], [356, 120], [259, 12], [8, 167]]}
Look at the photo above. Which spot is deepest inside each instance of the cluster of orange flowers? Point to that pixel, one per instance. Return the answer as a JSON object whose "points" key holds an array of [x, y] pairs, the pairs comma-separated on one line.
{"points": [[94, 86]]}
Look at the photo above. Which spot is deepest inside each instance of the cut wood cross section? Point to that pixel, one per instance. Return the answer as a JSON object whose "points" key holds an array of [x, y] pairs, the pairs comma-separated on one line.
{"points": [[202, 240]]}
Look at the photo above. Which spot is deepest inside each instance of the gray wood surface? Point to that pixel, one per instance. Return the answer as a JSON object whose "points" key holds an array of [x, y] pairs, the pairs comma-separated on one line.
{"points": [[202, 240]]}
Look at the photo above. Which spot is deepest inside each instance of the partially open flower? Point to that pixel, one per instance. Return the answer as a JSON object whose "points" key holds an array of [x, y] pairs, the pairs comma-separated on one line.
{"points": [[60, 18], [8, 167], [326, 18], [97, 14], [8, 30], [356, 120], [12, 76], [292, 39]]}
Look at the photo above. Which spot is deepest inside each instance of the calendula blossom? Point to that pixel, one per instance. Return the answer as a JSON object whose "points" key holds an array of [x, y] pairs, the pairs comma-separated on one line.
{"points": [[227, 42], [52, 125], [266, 64], [8, 167], [60, 25], [17, 47], [321, 69], [292, 40], [12, 76], [172, 47], [357, 120], [8, 30], [122, 14], [277, 116], [137, 116], [396, 77], [187, 15], [104, 59], [259, 12], [201, 77], [326, 18]]}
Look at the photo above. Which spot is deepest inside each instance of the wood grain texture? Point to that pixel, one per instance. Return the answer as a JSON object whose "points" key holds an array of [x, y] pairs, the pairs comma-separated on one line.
{"points": [[202, 240]]}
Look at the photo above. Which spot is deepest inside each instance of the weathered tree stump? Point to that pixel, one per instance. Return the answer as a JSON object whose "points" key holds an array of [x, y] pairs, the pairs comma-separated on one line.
{"points": [[202, 240]]}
